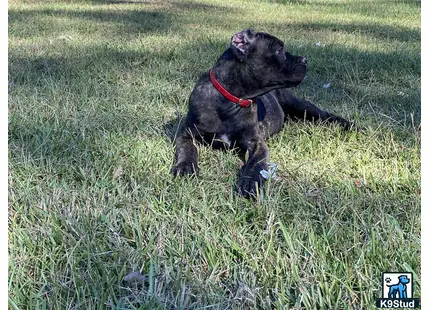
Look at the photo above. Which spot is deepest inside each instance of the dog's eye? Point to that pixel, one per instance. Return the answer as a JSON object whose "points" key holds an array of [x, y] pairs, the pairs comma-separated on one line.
{"points": [[280, 51]]}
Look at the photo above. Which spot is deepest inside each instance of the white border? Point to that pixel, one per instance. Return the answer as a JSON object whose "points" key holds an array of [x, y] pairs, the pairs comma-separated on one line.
{"points": [[4, 155], [425, 197], [425, 154]]}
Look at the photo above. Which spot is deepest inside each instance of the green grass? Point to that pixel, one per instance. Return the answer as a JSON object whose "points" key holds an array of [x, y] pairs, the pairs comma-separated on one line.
{"points": [[94, 92]]}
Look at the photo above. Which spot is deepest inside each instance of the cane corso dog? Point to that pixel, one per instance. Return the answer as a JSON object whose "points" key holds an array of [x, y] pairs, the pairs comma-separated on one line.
{"points": [[242, 101]]}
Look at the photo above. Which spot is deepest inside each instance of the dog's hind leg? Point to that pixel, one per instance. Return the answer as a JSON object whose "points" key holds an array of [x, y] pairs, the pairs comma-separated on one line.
{"points": [[297, 108]]}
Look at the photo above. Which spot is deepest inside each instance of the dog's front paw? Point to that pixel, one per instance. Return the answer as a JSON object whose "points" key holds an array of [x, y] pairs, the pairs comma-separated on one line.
{"points": [[249, 184], [185, 168]]}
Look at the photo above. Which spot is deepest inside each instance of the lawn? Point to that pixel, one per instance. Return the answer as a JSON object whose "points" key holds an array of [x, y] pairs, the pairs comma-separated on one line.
{"points": [[96, 90]]}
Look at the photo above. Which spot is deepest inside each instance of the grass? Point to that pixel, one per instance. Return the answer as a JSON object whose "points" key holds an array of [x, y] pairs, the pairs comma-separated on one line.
{"points": [[95, 92]]}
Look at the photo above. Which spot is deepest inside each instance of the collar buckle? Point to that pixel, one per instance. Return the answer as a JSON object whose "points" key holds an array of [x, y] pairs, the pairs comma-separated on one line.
{"points": [[244, 102]]}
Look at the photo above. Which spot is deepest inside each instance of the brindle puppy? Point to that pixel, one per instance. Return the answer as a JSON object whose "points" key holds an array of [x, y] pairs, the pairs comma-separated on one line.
{"points": [[255, 67]]}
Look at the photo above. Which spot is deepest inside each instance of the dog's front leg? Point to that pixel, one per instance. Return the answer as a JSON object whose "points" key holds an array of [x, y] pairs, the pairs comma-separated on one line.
{"points": [[403, 292], [185, 154], [250, 178]]}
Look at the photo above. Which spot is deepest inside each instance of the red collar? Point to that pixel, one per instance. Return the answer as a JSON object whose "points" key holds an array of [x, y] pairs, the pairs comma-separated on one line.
{"points": [[244, 103]]}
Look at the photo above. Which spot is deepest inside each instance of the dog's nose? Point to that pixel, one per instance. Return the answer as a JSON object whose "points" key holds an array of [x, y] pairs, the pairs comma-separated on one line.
{"points": [[302, 60]]}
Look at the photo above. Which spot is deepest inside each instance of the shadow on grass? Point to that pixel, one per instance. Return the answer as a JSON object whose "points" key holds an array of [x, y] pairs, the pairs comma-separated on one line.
{"points": [[171, 128], [372, 30], [130, 19], [109, 69], [181, 5], [112, 67], [363, 7], [127, 21], [123, 2]]}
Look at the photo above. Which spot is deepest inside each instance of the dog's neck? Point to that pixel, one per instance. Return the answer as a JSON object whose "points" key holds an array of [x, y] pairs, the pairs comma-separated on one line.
{"points": [[236, 77]]}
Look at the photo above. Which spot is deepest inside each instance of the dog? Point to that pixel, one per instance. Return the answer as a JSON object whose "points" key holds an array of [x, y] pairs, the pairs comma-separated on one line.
{"points": [[242, 101], [399, 288]]}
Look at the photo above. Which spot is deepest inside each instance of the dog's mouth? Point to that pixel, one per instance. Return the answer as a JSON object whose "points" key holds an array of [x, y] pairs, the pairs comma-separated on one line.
{"points": [[298, 74], [296, 68]]}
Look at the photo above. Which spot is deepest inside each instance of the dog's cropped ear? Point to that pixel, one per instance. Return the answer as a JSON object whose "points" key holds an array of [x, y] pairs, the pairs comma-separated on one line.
{"points": [[240, 43]]}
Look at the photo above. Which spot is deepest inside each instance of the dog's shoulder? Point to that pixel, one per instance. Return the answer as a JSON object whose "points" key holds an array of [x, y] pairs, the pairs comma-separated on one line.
{"points": [[203, 93]]}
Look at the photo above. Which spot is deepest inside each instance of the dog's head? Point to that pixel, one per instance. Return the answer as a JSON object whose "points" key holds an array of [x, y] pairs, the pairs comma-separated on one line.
{"points": [[403, 279], [267, 60]]}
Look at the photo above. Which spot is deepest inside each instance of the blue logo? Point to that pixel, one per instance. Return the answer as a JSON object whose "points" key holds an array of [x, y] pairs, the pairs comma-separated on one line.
{"points": [[397, 291]]}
